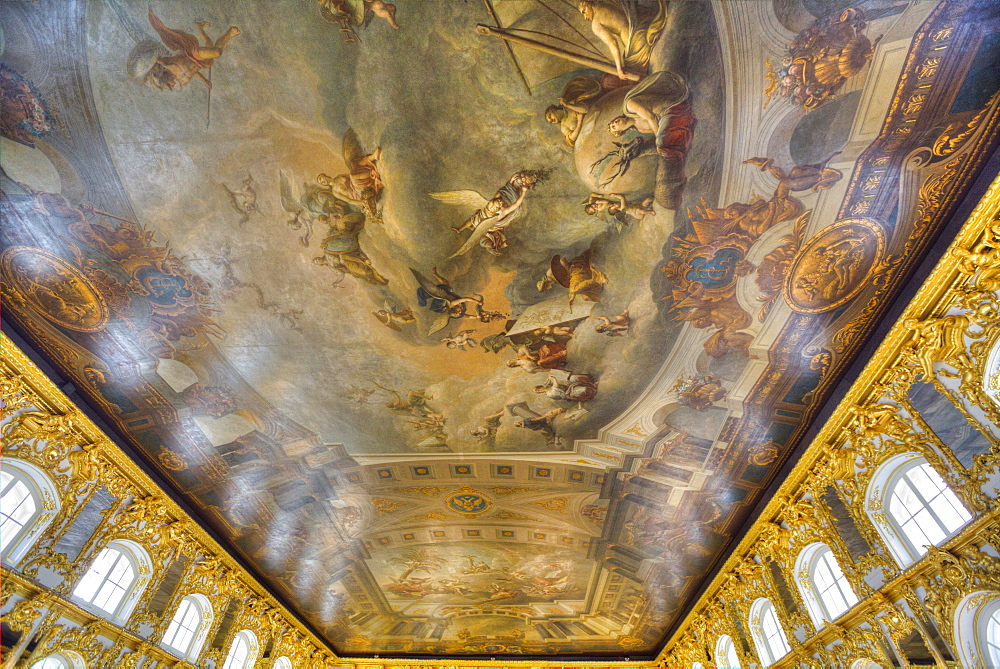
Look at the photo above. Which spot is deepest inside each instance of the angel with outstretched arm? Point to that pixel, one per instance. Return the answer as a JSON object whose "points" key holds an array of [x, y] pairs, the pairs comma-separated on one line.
{"points": [[492, 216]]}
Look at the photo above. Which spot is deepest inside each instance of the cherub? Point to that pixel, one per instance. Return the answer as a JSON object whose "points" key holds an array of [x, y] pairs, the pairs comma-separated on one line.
{"points": [[441, 299], [532, 420], [488, 430], [391, 316], [494, 215], [352, 13], [617, 207], [244, 200], [415, 403], [460, 340], [359, 395], [169, 72], [614, 327], [431, 421]]}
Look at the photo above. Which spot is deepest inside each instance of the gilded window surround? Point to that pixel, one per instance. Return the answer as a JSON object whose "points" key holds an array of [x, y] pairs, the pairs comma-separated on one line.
{"points": [[954, 319]]}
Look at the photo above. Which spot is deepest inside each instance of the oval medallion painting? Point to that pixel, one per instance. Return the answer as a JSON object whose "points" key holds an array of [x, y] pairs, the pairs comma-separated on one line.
{"points": [[832, 266], [54, 288]]}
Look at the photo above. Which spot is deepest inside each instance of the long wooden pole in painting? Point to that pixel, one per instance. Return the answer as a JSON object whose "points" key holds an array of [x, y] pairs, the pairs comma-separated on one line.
{"points": [[208, 113], [510, 50], [596, 63]]}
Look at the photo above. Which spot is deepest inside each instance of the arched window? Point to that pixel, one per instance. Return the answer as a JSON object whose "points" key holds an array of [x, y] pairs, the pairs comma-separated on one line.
{"points": [[767, 634], [188, 628], [66, 659], [977, 630], [115, 579], [725, 653], [920, 509], [822, 583], [28, 502], [865, 663], [243, 651], [282, 663]]}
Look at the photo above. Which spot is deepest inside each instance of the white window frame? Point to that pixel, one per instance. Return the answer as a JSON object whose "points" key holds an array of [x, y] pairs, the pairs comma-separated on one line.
{"points": [[253, 649], [725, 653], [47, 504], [805, 578], [877, 499], [283, 662], [763, 607], [142, 567], [865, 663], [972, 626], [205, 618], [67, 659]]}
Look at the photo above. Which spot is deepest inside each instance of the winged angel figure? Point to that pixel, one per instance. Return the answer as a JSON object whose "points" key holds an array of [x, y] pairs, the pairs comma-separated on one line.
{"points": [[440, 297], [494, 215]]}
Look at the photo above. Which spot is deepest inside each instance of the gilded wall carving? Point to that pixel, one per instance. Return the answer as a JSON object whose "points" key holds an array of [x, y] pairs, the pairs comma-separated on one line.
{"points": [[945, 340]]}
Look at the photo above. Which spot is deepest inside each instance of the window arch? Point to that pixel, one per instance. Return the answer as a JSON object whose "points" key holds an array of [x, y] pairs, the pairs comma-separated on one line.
{"points": [[977, 630], [28, 502], [243, 651], [115, 579], [825, 589], [865, 663], [189, 626], [282, 663], [65, 659], [766, 631], [725, 653], [912, 506]]}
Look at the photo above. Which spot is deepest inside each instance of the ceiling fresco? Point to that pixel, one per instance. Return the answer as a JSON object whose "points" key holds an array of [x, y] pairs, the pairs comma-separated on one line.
{"points": [[478, 328]]}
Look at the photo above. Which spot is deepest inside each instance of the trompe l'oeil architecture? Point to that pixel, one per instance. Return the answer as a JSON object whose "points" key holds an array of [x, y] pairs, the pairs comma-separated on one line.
{"points": [[712, 379]]}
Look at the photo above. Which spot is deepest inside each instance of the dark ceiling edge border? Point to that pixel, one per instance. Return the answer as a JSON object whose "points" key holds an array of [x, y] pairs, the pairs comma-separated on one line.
{"points": [[913, 283], [68, 387]]}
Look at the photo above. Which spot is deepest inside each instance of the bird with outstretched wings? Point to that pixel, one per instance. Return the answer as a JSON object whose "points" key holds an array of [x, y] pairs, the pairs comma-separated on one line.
{"points": [[177, 40]]}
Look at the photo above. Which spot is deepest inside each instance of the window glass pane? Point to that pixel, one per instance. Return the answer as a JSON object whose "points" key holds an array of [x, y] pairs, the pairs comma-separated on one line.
{"points": [[926, 480], [183, 626], [833, 588], [92, 580], [775, 637], [949, 510], [51, 662], [5, 479], [732, 659], [238, 654], [17, 506], [726, 653], [993, 639], [107, 581], [109, 596]]}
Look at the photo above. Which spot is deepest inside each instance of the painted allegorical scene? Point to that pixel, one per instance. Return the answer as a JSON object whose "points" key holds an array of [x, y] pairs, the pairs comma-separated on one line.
{"points": [[477, 327]]}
